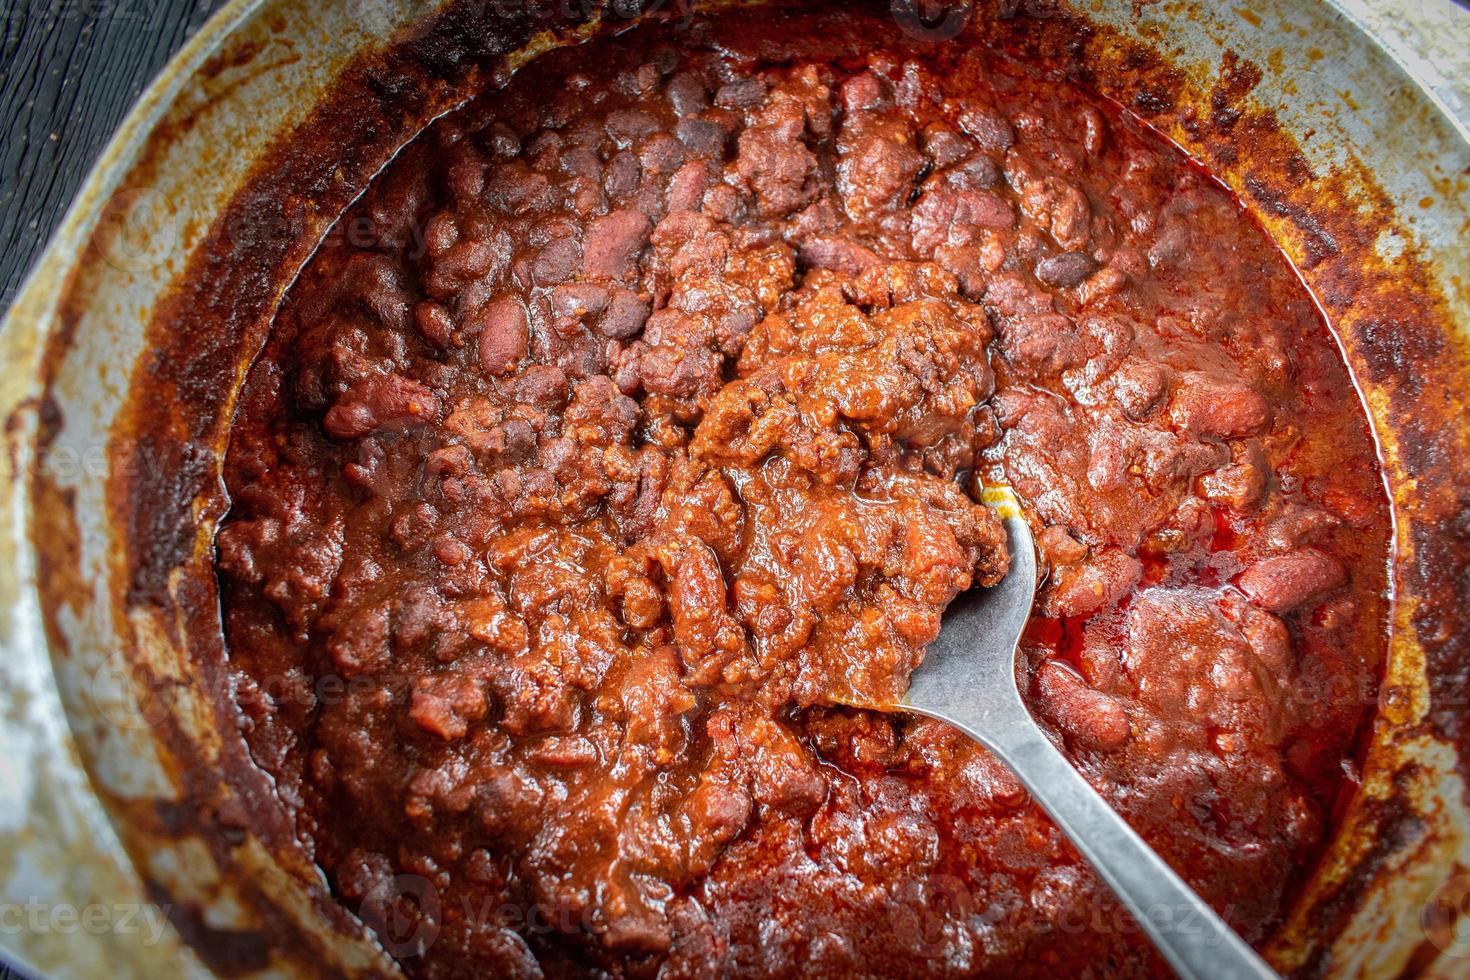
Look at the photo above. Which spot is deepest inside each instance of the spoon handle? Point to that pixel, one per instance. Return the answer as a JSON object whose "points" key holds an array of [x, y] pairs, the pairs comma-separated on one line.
{"points": [[1196, 942], [959, 685]]}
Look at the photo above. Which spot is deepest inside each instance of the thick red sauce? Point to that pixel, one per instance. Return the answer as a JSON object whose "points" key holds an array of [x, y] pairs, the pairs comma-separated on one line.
{"points": [[631, 418]]}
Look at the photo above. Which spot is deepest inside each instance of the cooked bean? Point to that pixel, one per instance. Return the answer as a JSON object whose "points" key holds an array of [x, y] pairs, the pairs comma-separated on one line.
{"points": [[1065, 270], [640, 435], [503, 334], [1282, 583]]}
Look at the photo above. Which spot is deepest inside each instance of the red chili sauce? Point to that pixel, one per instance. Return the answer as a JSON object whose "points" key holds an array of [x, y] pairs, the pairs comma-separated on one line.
{"points": [[635, 413]]}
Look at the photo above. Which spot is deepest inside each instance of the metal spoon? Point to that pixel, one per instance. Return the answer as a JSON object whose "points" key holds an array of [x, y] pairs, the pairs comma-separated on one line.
{"points": [[968, 679]]}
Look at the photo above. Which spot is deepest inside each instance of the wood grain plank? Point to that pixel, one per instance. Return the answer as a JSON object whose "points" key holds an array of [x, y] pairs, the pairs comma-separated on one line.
{"points": [[69, 72]]}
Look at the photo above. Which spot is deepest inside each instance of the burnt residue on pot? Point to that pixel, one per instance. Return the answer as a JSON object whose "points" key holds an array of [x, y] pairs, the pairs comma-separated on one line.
{"points": [[1398, 335], [224, 815], [166, 496]]}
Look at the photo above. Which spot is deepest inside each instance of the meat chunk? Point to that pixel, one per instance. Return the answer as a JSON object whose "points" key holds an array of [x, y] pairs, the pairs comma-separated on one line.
{"points": [[772, 157], [1042, 344], [780, 773], [839, 254], [944, 215], [990, 130], [1059, 547], [445, 706], [877, 165], [1058, 205], [1241, 486], [707, 635], [1192, 665], [775, 167]]}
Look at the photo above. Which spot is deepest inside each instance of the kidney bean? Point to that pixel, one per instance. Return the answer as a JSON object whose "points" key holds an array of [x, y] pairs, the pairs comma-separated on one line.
{"points": [[434, 323], [1065, 270], [378, 402], [687, 94], [503, 334], [624, 316], [1090, 718], [741, 93], [1282, 583]]}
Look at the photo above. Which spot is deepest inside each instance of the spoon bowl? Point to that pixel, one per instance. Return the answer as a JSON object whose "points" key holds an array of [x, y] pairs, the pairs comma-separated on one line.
{"points": [[969, 680]]}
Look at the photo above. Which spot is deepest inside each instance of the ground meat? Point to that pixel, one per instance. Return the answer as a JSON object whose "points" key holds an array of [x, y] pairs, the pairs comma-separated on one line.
{"points": [[573, 516]]}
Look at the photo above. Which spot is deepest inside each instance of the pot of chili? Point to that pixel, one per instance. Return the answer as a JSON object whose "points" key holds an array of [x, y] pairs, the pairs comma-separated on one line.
{"points": [[455, 455]]}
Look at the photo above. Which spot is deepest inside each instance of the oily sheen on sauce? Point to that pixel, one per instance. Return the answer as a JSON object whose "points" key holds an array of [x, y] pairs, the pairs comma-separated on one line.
{"points": [[635, 413]]}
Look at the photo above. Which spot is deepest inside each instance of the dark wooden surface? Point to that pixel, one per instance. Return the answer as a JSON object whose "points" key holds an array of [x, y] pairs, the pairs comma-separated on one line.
{"points": [[69, 71]]}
